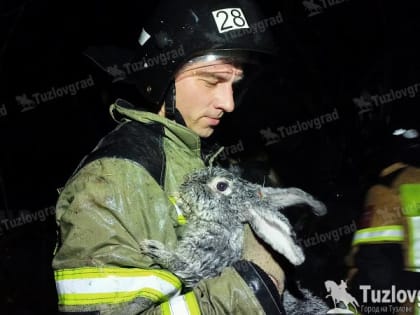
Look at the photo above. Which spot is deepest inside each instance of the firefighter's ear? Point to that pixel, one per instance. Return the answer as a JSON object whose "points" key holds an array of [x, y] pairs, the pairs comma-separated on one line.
{"points": [[273, 228]]}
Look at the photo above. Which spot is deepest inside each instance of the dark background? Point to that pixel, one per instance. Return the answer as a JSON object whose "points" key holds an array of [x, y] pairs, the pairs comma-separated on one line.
{"points": [[347, 50]]}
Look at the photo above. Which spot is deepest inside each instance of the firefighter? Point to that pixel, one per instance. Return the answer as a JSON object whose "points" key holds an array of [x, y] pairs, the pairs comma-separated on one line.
{"points": [[385, 246], [190, 54]]}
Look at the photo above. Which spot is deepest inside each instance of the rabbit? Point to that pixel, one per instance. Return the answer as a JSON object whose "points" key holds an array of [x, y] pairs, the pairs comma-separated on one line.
{"points": [[217, 204]]}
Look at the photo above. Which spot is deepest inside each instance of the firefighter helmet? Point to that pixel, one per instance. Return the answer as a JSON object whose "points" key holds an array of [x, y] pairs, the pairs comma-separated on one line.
{"points": [[179, 31]]}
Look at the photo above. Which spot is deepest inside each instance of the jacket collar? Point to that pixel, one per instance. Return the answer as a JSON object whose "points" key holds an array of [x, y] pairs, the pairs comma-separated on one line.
{"points": [[122, 111]]}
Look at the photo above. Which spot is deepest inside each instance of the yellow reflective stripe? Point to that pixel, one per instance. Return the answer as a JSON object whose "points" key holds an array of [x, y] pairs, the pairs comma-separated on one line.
{"points": [[108, 298], [410, 199], [388, 233], [181, 219], [413, 244], [165, 308], [192, 303], [102, 272], [181, 305], [90, 285]]}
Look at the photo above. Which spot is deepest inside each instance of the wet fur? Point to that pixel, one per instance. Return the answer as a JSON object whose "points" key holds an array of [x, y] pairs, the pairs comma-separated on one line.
{"points": [[213, 238]]}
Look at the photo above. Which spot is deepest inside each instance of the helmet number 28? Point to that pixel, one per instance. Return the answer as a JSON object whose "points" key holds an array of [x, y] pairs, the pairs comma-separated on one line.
{"points": [[229, 19]]}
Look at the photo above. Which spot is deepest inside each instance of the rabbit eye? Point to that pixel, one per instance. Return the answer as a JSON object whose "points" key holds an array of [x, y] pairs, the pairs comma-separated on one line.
{"points": [[222, 186]]}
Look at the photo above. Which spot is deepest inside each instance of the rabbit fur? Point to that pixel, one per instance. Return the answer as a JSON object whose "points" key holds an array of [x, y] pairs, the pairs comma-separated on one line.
{"points": [[217, 204]]}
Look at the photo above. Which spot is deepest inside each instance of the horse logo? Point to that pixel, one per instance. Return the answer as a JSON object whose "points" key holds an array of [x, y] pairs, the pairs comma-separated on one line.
{"points": [[339, 295], [364, 103], [25, 102], [116, 73], [312, 7], [269, 136]]}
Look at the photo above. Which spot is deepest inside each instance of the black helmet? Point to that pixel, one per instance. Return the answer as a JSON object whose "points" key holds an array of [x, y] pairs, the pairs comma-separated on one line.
{"points": [[389, 142], [179, 31], [406, 144]]}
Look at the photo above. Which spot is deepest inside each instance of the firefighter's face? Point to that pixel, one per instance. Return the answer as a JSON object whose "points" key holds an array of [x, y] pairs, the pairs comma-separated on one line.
{"points": [[204, 92]]}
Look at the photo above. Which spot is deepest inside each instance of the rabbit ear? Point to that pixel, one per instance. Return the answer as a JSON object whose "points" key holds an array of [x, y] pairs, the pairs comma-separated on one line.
{"points": [[284, 197], [275, 230]]}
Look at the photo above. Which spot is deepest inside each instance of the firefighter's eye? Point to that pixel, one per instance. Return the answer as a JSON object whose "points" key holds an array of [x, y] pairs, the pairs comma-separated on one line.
{"points": [[222, 186], [210, 83]]}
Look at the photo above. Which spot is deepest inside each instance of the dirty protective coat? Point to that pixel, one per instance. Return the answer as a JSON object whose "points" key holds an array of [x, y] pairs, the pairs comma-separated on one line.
{"points": [[119, 196]]}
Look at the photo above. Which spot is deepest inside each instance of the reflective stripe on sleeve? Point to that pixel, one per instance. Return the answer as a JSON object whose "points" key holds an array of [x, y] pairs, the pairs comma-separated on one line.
{"points": [[381, 234], [108, 285], [413, 243], [181, 305]]}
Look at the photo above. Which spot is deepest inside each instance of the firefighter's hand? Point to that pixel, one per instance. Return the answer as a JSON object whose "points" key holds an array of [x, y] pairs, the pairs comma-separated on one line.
{"points": [[254, 251]]}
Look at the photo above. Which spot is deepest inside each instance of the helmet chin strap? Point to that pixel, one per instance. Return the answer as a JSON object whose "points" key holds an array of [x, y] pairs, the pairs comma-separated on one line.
{"points": [[171, 112]]}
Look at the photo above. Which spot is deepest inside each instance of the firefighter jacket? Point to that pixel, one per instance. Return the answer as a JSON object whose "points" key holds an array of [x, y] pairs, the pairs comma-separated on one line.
{"points": [[120, 195], [386, 246]]}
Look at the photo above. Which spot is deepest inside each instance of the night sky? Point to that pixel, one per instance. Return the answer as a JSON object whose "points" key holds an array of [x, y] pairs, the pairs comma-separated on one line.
{"points": [[346, 53]]}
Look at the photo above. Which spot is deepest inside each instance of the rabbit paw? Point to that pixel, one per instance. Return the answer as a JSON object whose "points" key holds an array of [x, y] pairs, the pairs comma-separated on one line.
{"points": [[153, 249]]}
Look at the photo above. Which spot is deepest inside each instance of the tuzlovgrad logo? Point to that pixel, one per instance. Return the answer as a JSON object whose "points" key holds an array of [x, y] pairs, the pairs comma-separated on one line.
{"points": [[345, 303]]}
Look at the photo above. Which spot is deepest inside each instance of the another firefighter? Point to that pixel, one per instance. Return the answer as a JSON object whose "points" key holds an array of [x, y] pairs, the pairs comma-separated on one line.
{"points": [[386, 245]]}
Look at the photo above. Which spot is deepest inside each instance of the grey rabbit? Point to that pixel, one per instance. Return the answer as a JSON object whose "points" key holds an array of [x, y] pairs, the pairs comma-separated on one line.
{"points": [[217, 204]]}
